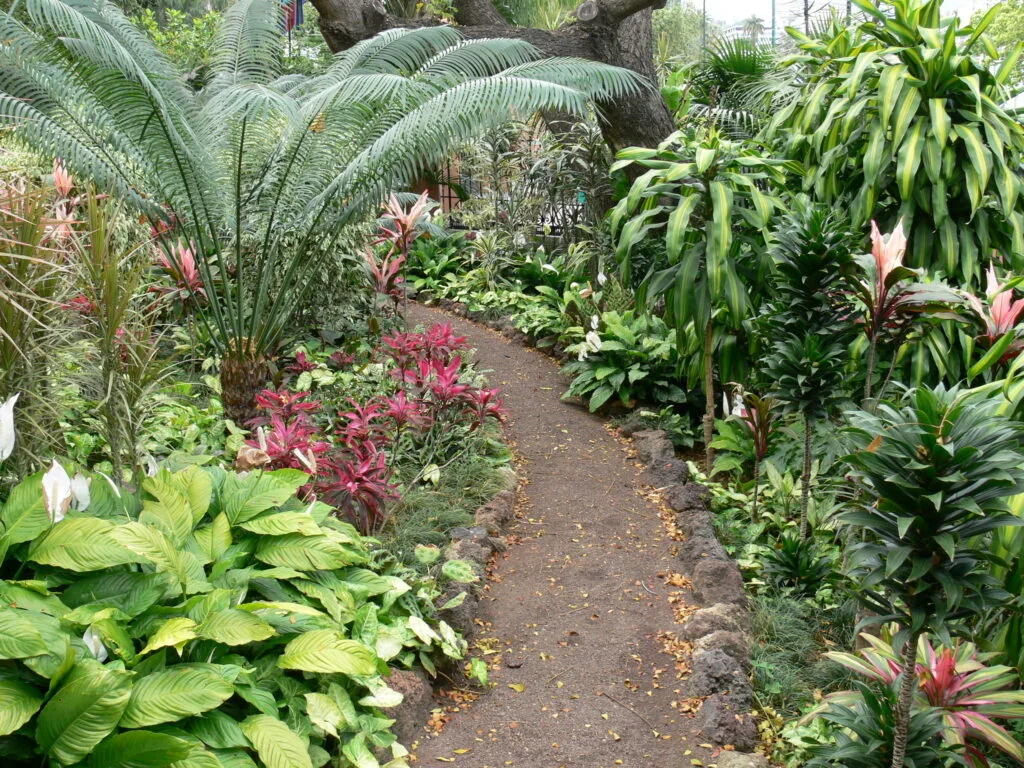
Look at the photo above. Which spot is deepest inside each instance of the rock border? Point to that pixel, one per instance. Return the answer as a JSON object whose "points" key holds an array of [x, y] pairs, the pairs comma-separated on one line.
{"points": [[476, 544], [720, 631]]}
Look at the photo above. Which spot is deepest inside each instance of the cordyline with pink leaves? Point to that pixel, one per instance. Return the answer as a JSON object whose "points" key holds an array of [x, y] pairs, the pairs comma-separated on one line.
{"points": [[970, 696], [352, 470], [891, 297], [1000, 319]]}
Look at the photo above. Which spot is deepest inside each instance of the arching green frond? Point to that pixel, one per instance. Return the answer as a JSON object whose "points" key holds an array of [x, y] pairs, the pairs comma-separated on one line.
{"points": [[248, 44], [596, 81], [404, 50], [477, 58]]}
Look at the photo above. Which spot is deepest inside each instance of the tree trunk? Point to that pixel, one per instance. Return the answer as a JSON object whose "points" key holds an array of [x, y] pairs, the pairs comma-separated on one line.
{"points": [[709, 395], [615, 32], [805, 478], [901, 728]]}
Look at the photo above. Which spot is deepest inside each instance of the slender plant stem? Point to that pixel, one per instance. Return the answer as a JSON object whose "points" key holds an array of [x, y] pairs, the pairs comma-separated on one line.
{"points": [[709, 396], [906, 697], [757, 482], [805, 484], [870, 370]]}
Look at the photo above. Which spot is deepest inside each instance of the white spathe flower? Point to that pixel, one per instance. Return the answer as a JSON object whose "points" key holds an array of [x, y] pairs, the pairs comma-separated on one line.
{"points": [[593, 341], [602, 278], [110, 481], [94, 643], [80, 491], [594, 322], [57, 491], [7, 427]]}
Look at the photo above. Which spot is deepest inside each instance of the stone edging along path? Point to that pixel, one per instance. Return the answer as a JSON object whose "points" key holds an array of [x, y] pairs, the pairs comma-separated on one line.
{"points": [[600, 653]]}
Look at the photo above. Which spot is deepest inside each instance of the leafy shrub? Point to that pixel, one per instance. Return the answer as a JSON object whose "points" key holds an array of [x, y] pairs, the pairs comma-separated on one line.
{"points": [[796, 565], [215, 619], [629, 356]]}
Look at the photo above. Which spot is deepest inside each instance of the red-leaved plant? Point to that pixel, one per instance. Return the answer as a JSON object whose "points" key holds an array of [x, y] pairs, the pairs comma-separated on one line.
{"points": [[970, 696]]}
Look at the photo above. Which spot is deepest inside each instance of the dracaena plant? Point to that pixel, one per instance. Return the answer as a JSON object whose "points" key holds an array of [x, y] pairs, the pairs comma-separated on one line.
{"points": [[900, 116], [933, 474], [806, 324], [969, 695], [261, 172], [715, 200]]}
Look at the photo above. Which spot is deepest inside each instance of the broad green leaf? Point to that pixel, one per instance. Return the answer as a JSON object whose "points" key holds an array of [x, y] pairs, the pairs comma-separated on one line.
{"points": [[80, 544], [152, 545], [235, 627], [128, 591], [139, 749], [890, 84], [324, 650], [176, 692], [242, 498], [18, 702], [981, 158], [213, 540], [170, 510], [83, 711], [941, 124], [303, 553], [357, 753], [19, 635], [422, 630], [173, 633], [678, 223], [218, 730], [197, 485], [909, 160], [276, 745], [23, 516], [283, 523]]}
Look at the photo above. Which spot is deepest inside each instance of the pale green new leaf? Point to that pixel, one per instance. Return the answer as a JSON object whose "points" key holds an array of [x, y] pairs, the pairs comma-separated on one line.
{"points": [[234, 627], [18, 702]]}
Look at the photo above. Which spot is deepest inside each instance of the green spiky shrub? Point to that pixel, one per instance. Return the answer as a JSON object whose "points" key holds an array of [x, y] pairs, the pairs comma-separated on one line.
{"points": [[805, 327], [933, 474], [261, 172]]}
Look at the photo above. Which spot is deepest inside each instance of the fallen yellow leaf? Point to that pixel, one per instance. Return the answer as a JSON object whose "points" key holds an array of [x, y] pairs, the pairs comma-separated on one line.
{"points": [[517, 687]]}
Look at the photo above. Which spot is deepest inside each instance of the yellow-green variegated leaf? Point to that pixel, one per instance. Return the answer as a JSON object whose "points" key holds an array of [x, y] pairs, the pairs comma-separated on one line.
{"points": [[152, 545], [704, 157], [678, 224], [981, 158], [904, 114], [168, 510], [909, 159], [890, 84], [941, 124], [211, 541], [875, 153], [282, 523], [719, 234]]}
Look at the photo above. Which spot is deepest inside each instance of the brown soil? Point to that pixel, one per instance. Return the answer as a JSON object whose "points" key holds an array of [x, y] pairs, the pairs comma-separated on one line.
{"points": [[574, 614]]}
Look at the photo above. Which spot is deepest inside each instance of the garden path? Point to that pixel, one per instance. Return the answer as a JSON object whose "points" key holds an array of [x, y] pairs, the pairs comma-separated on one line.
{"points": [[576, 607]]}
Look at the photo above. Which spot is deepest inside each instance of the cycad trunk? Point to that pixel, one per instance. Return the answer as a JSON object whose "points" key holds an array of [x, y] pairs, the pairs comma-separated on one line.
{"points": [[906, 698], [805, 478], [709, 396], [242, 377]]}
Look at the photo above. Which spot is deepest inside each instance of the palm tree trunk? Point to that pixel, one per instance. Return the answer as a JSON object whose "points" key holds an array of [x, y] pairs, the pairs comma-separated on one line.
{"points": [[906, 698], [242, 377], [709, 396], [805, 481]]}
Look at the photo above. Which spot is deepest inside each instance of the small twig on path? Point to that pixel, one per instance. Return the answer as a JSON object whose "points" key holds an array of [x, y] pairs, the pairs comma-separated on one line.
{"points": [[626, 706], [647, 588], [557, 674]]}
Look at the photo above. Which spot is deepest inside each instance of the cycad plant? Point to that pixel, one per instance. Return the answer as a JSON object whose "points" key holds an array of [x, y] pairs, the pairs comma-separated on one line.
{"points": [[806, 325], [258, 174], [715, 199], [933, 476]]}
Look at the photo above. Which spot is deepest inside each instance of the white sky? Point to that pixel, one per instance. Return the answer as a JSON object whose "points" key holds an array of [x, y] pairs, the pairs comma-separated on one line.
{"points": [[731, 11]]}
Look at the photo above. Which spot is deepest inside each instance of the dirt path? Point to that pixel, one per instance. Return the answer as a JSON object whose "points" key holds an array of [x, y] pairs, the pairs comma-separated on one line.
{"points": [[575, 608]]}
